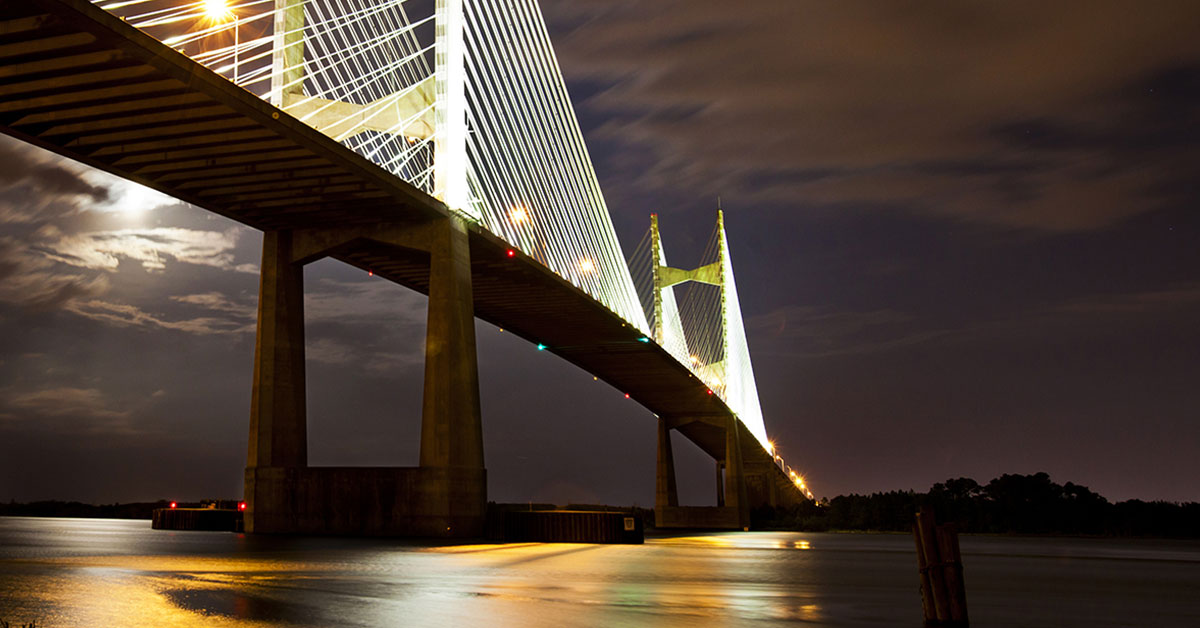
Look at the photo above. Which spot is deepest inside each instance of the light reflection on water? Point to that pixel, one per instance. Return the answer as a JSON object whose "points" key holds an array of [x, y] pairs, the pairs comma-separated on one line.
{"points": [[63, 572]]}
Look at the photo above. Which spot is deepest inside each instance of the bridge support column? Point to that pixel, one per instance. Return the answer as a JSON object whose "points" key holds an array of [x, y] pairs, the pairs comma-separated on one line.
{"points": [[451, 428], [446, 496], [735, 479], [720, 483], [278, 424], [666, 495], [732, 511]]}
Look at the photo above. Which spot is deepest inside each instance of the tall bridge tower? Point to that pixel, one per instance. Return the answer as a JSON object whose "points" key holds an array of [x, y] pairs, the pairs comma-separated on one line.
{"points": [[446, 494], [743, 477]]}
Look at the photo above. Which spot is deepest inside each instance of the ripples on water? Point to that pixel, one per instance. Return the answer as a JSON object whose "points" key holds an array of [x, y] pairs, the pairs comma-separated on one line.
{"points": [[88, 572]]}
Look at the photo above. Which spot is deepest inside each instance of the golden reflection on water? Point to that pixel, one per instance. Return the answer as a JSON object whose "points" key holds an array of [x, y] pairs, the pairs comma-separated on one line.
{"points": [[733, 540], [106, 596], [670, 581]]}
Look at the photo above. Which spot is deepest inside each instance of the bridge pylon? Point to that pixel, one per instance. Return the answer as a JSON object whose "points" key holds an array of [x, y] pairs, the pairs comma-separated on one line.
{"points": [[446, 495], [443, 497], [733, 508]]}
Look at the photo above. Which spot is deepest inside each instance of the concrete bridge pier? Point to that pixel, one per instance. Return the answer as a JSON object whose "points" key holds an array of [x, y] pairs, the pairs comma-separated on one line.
{"points": [[443, 497], [451, 424], [732, 511]]}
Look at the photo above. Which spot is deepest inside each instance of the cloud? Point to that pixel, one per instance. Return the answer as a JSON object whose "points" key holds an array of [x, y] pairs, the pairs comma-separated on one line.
{"points": [[846, 105], [38, 185], [822, 332], [217, 302], [377, 300], [49, 269], [91, 411], [815, 332], [104, 250], [373, 324], [66, 410], [65, 401], [125, 315], [33, 283], [66, 233], [371, 356], [1151, 301], [125, 196]]}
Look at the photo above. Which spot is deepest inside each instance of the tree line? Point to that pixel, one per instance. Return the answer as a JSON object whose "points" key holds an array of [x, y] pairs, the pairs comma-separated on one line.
{"points": [[1009, 504], [54, 508]]}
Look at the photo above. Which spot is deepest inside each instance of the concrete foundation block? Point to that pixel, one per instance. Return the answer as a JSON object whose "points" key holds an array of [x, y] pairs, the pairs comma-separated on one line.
{"points": [[699, 517], [366, 501]]}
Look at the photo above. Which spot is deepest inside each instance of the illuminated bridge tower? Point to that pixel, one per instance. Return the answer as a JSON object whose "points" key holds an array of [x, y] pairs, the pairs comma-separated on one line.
{"points": [[732, 510], [745, 478], [446, 495]]}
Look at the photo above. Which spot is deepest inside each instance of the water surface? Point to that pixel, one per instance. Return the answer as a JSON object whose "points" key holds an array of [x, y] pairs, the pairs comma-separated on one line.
{"points": [[97, 572]]}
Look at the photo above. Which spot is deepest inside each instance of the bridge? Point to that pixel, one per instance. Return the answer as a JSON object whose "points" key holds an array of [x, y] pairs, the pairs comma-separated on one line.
{"points": [[439, 152]]}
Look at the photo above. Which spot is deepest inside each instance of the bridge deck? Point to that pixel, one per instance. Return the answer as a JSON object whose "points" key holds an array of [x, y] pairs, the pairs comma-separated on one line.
{"points": [[82, 83]]}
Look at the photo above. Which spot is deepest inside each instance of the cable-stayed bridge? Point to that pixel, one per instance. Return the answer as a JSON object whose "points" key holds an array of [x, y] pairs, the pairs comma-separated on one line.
{"points": [[430, 144]]}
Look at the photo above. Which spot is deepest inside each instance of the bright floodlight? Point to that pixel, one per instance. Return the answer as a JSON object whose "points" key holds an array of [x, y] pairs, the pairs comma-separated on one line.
{"points": [[217, 9], [519, 214], [587, 265]]}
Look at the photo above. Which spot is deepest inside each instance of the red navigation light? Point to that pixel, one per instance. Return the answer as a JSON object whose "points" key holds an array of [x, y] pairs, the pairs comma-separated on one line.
{"points": [[710, 391], [370, 273], [173, 504], [241, 505], [626, 395], [512, 253]]}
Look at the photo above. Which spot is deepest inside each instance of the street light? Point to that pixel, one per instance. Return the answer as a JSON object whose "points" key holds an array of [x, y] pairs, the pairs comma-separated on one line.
{"points": [[219, 11]]}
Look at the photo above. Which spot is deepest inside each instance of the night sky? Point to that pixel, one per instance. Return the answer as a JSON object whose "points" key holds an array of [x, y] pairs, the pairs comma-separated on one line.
{"points": [[966, 237]]}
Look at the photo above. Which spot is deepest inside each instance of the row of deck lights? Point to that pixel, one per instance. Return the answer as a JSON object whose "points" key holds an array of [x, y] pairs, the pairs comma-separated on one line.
{"points": [[796, 478]]}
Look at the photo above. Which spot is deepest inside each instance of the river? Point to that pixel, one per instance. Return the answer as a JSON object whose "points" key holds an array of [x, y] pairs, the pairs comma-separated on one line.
{"points": [[110, 573]]}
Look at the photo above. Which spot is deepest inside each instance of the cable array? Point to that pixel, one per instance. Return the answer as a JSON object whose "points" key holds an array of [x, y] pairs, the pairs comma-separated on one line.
{"points": [[361, 70], [741, 391], [529, 174], [674, 340], [703, 328], [367, 53], [531, 171]]}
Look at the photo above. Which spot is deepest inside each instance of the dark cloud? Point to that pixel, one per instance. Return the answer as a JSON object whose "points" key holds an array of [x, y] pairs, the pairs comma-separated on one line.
{"points": [[43, 177], [1086, 117], [28, 280]]}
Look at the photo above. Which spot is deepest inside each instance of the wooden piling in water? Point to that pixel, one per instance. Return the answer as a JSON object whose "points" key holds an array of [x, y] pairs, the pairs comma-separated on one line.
{"points": [[943, 592]]}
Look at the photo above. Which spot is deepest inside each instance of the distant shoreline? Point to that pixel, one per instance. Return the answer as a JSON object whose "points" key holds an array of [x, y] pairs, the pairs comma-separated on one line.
{"points": [[1010, 505], [1023, 505]]}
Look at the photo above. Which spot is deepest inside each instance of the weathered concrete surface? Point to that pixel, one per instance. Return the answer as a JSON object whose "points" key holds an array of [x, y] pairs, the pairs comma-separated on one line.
{"points": [[733, 499], [736, 498], [278, 424], [451, 432], [666, 494], [446, 496], [569, 526], [766, 485], [366, 501], [699, 518]]}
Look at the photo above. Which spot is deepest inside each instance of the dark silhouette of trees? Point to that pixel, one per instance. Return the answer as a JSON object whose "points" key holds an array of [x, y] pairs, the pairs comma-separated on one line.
{"points": [[76, 509], [1009, 504]]}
